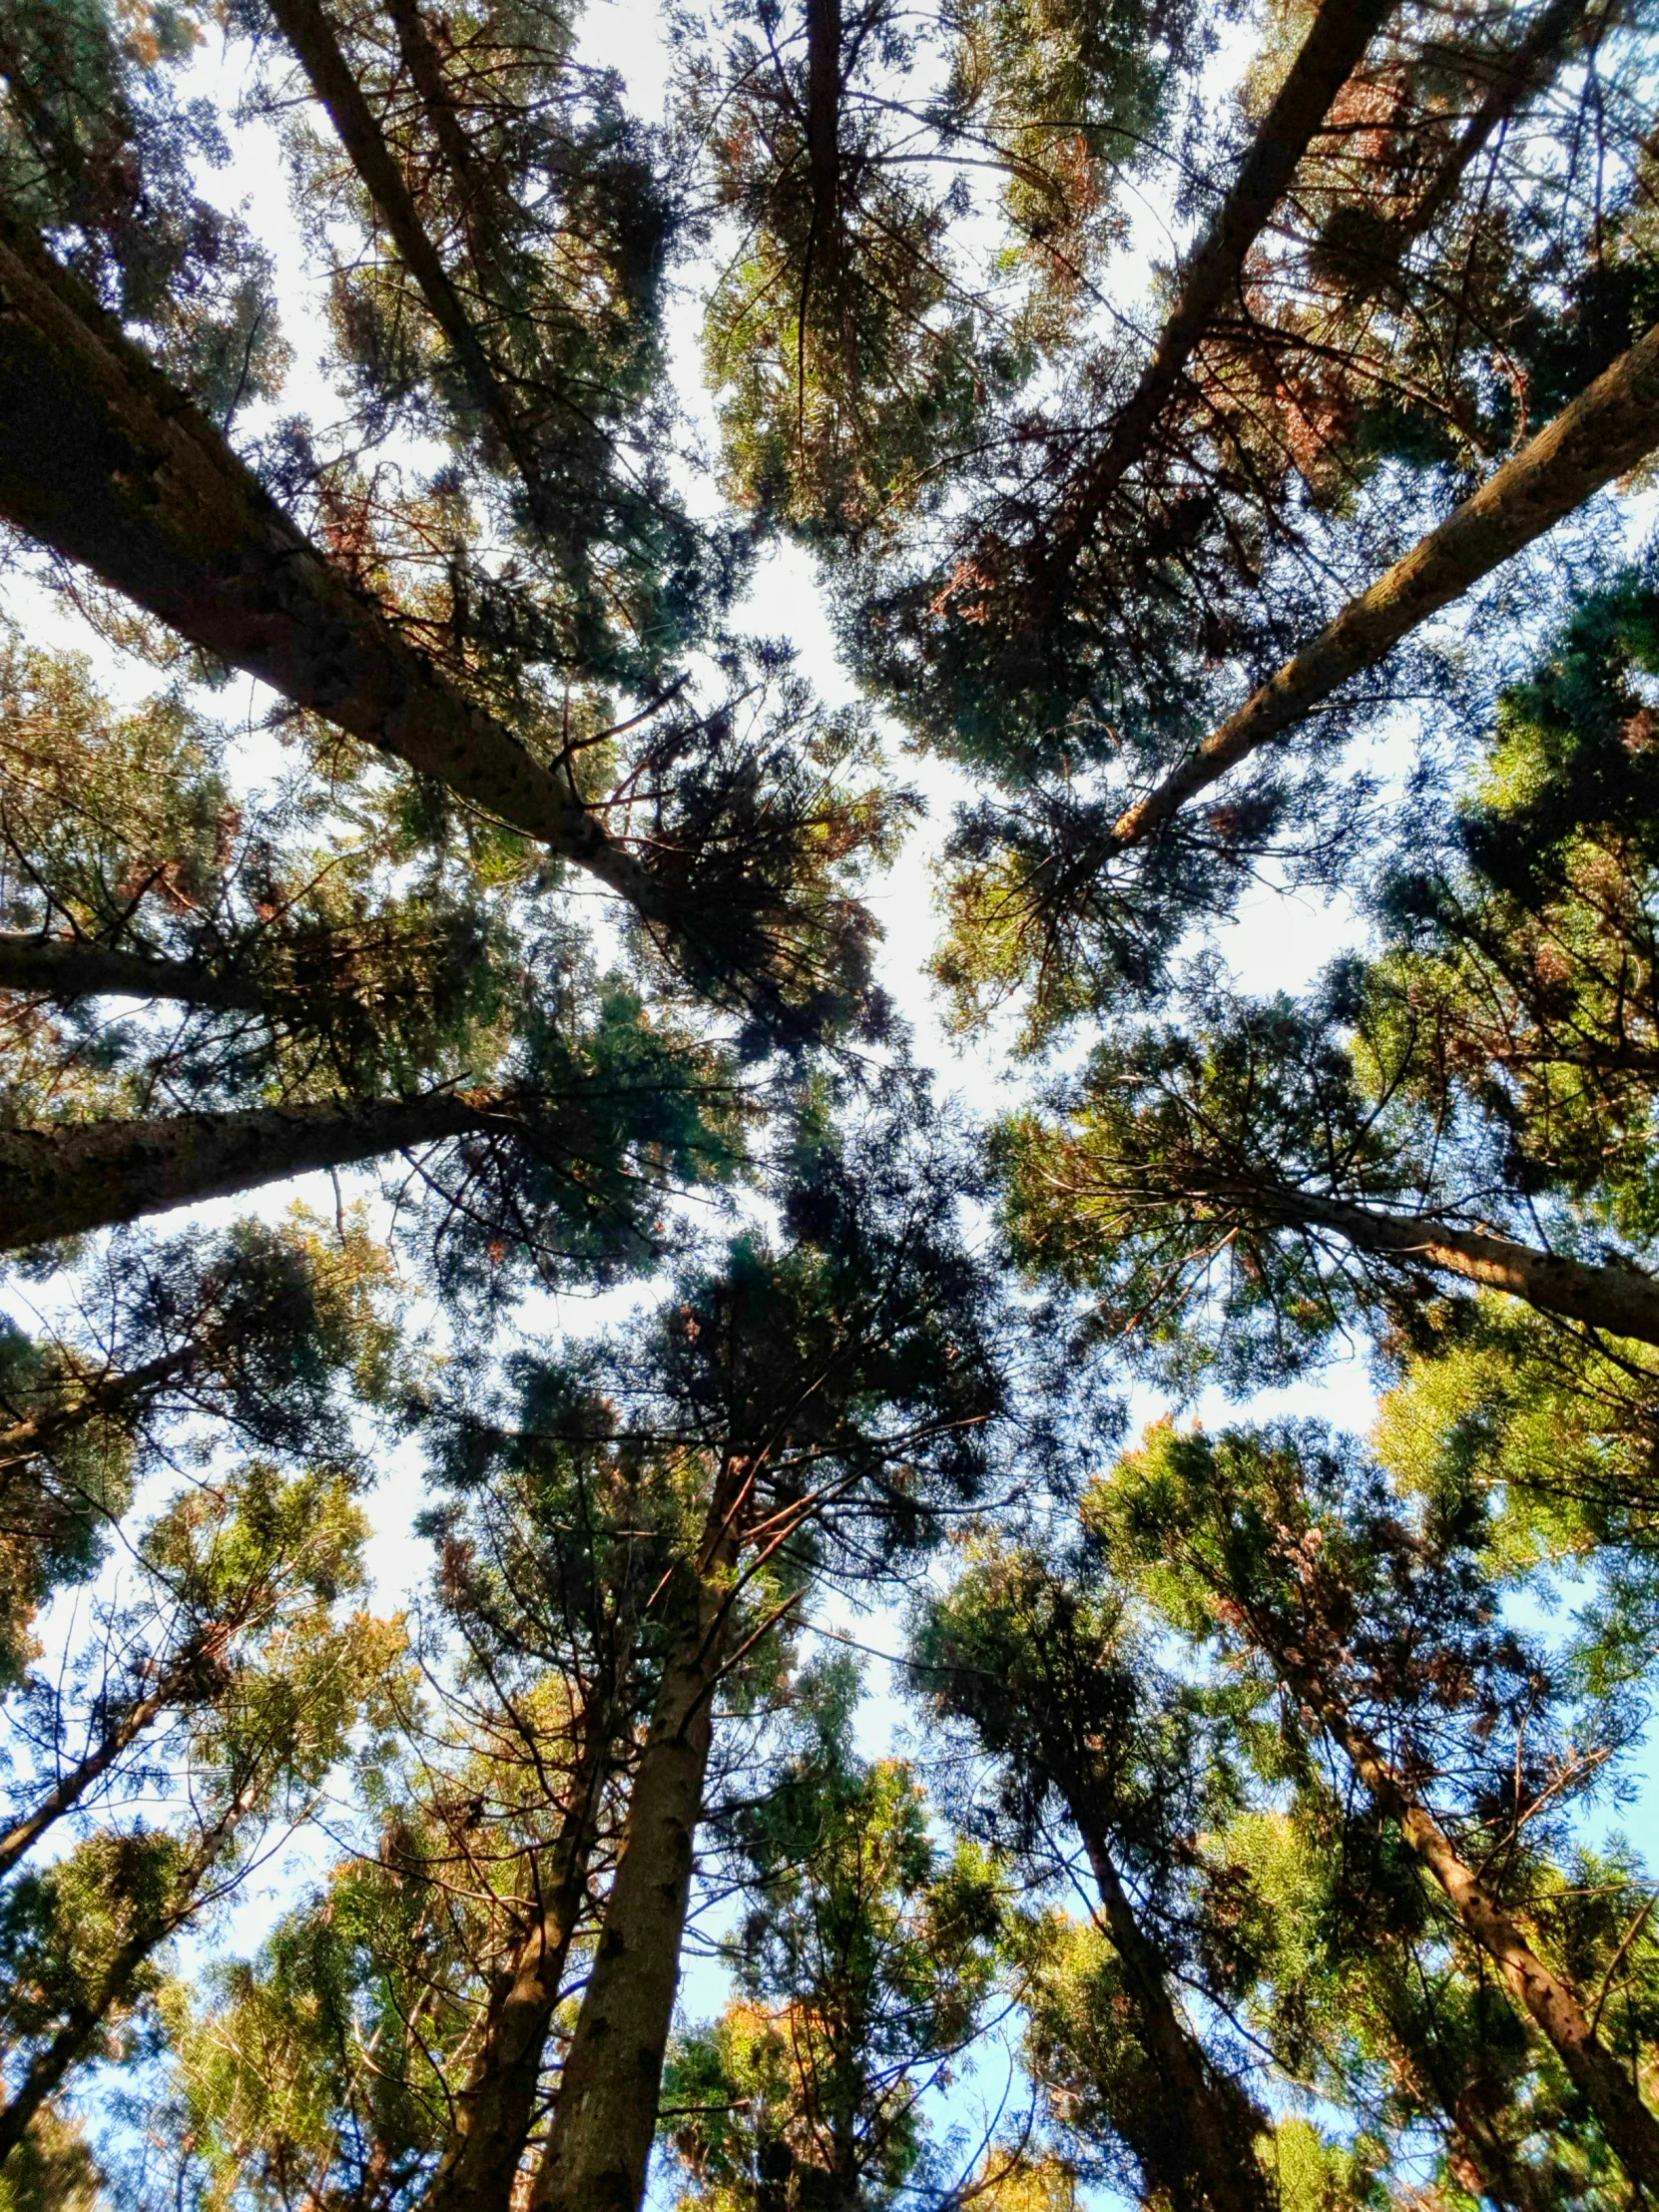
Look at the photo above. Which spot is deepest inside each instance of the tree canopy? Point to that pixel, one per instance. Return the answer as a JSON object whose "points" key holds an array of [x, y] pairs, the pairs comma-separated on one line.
{"points": [[856, 1428]]}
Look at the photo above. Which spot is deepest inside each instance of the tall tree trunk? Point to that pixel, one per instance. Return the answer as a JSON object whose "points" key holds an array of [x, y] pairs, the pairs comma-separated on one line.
{"points": [[108, 465], [1630, 2128], [606, 2117], [80, 1176], [497, 2105], [1514, 79], [46, 2070], [1207, 2164], [1332, 51], [1618, 1300], [21, 1837], [307, 30], [1606, 430], [823, 136], [61, 970], [483, 216]]}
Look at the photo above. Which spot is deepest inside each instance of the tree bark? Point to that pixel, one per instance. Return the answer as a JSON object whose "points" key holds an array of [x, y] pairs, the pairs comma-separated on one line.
{"points": [[1606, 430], [824, 133], [1212, 2131], [606, 2117], [1630, 2128], [110, 467], [1615, 1299], [1332, 51], [61, 970], [307, 30], [47, 2068], [81, 1176], [106, 1396], [496, 2108]]}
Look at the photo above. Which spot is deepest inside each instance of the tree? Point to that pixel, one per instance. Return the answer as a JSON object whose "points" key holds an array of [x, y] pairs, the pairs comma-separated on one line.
{"points": [[833, 1393], [262, 1728], [1062, 1693], [867, 1959], [1384, 1635]]}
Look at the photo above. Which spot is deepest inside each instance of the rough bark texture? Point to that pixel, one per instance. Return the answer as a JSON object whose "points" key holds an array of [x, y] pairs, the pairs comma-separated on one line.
{"points": [[109, 466], [1334, 48], [1615, 1299], [80, 1176], [824, 153], [1606, 430], [606, 2119], [496, 2108], [308, 30], [1628, 2125], [1220, 2170], [58, 969]]}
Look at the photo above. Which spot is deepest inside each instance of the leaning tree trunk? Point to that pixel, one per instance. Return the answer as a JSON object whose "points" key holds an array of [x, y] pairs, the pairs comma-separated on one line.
{"points": [[62, 969], [1630, 2128], [496, 2108], [1205, 2157], [307, 30], [606, 2116], [1617, 1300], [112, 467], [71, 1786], [1606, 430], [46, 2070], [79, 1176], [1335, 45]]}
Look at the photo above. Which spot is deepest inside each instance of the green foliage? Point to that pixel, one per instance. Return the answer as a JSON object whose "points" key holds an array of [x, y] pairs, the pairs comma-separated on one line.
{"points": [[867, 1961]]}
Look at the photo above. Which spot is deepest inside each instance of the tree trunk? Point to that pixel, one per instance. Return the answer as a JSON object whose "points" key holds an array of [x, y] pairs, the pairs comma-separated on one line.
{"points": [[824, 135], [1208, 2165], [46, 2070], [308, 30], [17, 1840], [606, 2116], [1332, 51], [1617, 1300], [61, 970], [1514, 79], [108, 1396], [1630, 2128], [1606, 430], [481, 204], [497, 2106], [109, 466], [81, 1176]]}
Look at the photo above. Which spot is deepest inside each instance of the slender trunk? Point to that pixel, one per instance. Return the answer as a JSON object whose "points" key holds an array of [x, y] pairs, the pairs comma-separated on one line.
{"points": [[1516, 79], [108, 1396], [1204, 2157], [1615, 1299], [1332, 51], [46, 2070], [480, 201], [497, 2106], [1630, 2128], [1606, 430], [307, 30], [17, 1840], [606, 2116], [80, 1176], [109, 466], [51, 967]]}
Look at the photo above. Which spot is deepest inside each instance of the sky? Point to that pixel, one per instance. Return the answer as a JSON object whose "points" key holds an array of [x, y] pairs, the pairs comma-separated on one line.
{"points": [[1277, 942]]}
